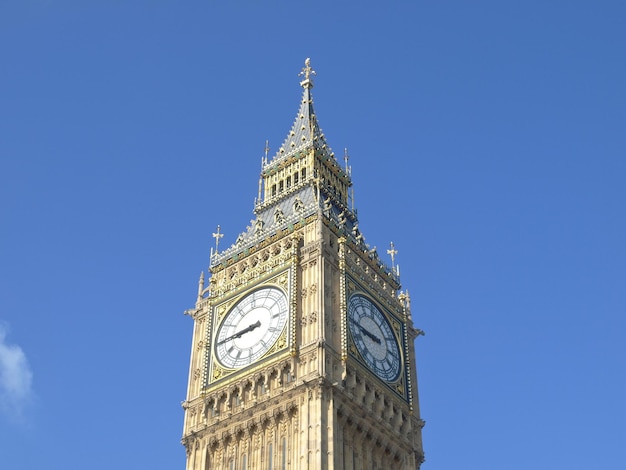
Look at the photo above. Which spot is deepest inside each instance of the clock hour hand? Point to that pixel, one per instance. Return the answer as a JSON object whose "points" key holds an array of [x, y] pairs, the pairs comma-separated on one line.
{"points": [[367, 333], [239, 334], [370, 335]]}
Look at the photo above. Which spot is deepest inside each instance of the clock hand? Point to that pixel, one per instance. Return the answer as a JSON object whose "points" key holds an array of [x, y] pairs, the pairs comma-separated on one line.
{"points": [[367, 333], [239, 334], [370, 335], [250, 328]]}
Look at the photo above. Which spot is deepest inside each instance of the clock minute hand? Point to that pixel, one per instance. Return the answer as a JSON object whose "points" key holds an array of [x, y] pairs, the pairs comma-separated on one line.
{"points": [[245, 330], [239, 334]]}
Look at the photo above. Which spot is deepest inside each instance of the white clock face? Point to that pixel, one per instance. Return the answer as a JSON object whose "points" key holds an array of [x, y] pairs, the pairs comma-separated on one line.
{"points": [[251, 327], [374, 338]]}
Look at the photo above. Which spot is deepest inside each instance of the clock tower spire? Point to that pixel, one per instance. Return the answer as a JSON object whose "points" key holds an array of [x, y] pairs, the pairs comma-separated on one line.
{"points": [[302, 353]]}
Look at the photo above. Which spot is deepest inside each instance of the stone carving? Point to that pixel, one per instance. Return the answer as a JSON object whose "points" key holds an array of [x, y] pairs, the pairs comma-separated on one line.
{"points": [[258, 226], [279, 217], [298, 205]]}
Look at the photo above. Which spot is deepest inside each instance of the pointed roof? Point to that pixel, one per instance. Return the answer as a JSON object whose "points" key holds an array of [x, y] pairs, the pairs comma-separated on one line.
{"points": [[310, 196], [305, 131]]}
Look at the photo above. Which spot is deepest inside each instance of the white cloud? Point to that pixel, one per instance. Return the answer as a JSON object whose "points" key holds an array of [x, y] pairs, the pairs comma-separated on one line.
{"points": [[15, 378]]}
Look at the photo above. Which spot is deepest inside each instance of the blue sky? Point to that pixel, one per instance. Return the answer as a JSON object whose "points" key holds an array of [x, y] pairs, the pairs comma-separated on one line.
{"points": [[486, 140]]}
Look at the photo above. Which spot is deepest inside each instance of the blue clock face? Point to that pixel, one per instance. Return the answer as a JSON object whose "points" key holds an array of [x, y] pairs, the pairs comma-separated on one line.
{"points": [[374, 338], [251, 327]]}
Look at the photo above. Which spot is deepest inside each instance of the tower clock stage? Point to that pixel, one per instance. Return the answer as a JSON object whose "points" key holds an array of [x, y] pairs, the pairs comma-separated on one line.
{"points": [[303, 343], [251, 327]]}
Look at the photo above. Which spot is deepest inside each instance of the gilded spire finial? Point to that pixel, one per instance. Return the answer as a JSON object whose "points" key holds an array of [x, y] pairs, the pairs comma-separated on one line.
{"points": [[307, 71], [217, 237], [346, 157], [393, 252]]}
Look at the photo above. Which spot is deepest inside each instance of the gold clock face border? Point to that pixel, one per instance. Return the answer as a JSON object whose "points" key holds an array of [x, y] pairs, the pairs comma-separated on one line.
{"points": [[281, 280], [400, 385]]}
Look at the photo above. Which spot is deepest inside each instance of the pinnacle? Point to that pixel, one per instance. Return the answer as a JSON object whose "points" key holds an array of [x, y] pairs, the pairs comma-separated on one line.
{"points": [[305, 131]]}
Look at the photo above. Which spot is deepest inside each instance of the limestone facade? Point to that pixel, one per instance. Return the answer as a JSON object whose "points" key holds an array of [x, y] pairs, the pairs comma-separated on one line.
{"points": [[311, 400]]}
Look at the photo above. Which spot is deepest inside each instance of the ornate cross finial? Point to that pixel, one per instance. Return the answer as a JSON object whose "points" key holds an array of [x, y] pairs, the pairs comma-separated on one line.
{"points": [[266, 149], [217, 237], [393, 252], [307, 71]]}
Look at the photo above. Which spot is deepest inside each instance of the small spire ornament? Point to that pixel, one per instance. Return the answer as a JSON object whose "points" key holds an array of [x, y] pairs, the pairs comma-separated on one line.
{"points": [[307, 71], [267, 150], [217, 237], [393, 252]]}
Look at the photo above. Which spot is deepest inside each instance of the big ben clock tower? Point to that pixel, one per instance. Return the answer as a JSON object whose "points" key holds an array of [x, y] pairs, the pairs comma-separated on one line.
{"points": [[302, 354]]}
